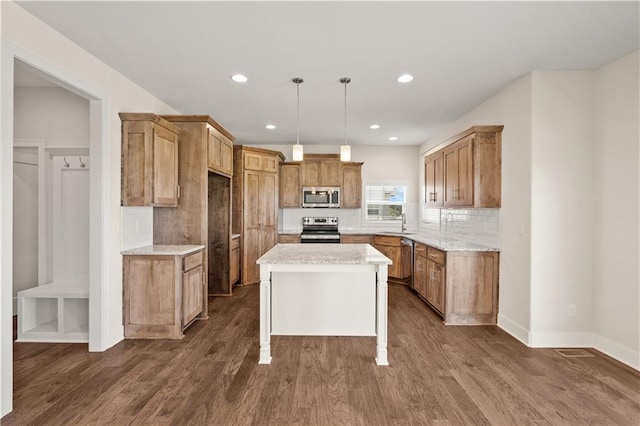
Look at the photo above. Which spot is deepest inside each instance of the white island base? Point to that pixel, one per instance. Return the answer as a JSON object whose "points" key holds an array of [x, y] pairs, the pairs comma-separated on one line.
{"points": [[323, 290]]}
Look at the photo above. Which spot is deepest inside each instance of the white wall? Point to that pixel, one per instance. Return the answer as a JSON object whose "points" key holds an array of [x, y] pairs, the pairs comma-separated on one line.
{"points": [[54, 114], [24, 33], [510, 107], [562, 189], [616, 258]]}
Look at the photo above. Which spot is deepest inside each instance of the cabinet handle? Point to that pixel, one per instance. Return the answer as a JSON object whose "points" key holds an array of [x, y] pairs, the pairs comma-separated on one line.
{"points": [[453, 194]]}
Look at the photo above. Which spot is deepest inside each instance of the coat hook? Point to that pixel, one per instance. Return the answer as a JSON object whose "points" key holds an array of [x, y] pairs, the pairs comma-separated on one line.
{"points": [[66, 164], [81, 163]]}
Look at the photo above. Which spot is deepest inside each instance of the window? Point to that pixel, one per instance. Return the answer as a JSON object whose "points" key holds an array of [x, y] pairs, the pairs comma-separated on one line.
{"points": [[384, 202]]}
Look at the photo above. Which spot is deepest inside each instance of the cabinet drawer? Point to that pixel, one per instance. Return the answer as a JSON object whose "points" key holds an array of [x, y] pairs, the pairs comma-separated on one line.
{"points": [[420, 250], [192, 261], [386, 241], [356, 239], [436, 255], [289, 238]]}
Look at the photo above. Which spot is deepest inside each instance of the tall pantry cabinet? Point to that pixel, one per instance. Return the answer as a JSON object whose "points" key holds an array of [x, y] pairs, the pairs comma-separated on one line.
{"points": [[255, 205], [203, 215]]}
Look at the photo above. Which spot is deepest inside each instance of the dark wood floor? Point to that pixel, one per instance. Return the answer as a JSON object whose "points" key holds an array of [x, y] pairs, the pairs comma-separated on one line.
{"points": [[438, 375]]}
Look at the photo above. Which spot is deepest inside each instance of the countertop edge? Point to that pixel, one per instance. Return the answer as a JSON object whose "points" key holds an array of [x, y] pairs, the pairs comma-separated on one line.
{"points": [[162, 250]]}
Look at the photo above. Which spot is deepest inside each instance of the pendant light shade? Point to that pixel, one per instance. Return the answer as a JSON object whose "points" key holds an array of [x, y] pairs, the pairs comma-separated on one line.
{"points": [[345, 150], [298, 150]]}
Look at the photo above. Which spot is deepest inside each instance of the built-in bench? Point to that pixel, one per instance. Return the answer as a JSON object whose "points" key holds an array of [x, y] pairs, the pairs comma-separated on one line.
{"points": [[54, 313]]}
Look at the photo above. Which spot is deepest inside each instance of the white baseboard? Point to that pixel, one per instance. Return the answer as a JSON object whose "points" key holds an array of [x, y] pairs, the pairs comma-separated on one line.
{"points": [[514, 329], [617, 351], [570, 340]]}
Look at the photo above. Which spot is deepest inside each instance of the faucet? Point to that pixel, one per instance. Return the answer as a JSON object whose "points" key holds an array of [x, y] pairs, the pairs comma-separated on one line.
{"points": [[404, 222]]}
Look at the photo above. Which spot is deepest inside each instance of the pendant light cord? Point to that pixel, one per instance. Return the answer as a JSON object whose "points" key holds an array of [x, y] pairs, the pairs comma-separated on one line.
{"points": [[298, 113], [345, 81]]}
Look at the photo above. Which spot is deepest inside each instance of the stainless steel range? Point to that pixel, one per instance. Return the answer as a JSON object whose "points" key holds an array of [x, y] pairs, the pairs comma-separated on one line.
{"points": [[320, 230]]}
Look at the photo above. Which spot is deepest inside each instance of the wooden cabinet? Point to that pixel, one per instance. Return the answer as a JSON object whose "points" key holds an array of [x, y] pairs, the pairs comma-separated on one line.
{"points": [[149, 161], [289, 238], [420, 270], [462, 287], [203, 216], [356, 239], [467, 172], [255, 205], [290, 190], [435, 278], [400, 254], [351, 194], [163, 294], [434, 180], [235, 259], [458, 173], [219, 152], [321, 170]]}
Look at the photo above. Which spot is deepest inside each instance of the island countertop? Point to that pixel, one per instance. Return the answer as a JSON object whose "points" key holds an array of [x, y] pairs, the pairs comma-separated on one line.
{"points": [[163, 250], [323, 254]]}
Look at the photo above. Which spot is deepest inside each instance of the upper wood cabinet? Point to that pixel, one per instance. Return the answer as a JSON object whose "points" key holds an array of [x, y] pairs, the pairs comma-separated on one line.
{"points": [[434, 180], [469, 170], [351, 195], [290, 190], [219, 152], [321, 170], [149, 161]]}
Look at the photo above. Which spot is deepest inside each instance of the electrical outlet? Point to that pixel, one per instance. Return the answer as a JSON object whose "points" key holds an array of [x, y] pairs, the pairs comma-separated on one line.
{"points": [[571, 311]]}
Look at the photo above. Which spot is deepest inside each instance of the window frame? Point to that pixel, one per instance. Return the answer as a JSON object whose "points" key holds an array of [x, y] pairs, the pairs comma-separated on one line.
{"points": [[390, 182]]}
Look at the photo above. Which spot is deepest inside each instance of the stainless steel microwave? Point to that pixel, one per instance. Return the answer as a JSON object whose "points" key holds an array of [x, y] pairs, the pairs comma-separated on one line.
{"points": [[321, 196]]}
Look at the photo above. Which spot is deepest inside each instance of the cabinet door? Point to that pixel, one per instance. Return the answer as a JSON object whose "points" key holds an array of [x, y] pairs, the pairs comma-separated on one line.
{"points": [[330, 173], [406, 250], [165, 168], [434, 180], [458, 173], [268, 209], [290, 191], [219, 153], [435, 285], [420, 276], [252, 228], [310, 172], [351, 186], [191, 294], [235, 261], [213, 151], [395, 254], [226, 156]]}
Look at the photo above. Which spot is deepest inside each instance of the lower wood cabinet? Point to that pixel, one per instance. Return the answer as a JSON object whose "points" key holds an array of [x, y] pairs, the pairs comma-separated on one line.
{"points": [[461, 286], [235, 259], [163, 294], [288, 238], [399, 251], [356, 239]]}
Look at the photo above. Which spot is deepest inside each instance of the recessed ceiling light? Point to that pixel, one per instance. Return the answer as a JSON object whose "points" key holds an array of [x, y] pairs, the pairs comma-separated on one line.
{"points": [[405, 78], [374, 126], [270, 126], [393, 138], [239, 78]]}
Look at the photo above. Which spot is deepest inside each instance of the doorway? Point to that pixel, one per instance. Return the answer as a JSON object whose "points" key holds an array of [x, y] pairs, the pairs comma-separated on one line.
{"points": [[101, 333]]}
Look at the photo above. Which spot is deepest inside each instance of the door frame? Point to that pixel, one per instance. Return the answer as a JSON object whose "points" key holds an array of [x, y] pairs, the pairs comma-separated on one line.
{"points": [[100, 215]]}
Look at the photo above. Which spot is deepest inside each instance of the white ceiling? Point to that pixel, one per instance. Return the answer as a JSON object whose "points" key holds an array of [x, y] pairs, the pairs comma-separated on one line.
{"points": [[460, 53]]}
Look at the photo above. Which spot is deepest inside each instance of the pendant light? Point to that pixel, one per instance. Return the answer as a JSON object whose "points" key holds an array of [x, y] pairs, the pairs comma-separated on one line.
{"points": [[345, 150], [297, 148]]}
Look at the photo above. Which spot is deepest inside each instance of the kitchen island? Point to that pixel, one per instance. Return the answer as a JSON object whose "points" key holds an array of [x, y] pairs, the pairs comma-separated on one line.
{"points": [[323, 290]]}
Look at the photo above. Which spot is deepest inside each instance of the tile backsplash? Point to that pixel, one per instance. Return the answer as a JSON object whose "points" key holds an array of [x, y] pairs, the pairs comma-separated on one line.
{"points": [[137, 227], [480, 226]]}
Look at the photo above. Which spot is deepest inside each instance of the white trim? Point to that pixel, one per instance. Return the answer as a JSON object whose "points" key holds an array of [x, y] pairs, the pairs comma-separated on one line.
{"points": [[552, 339], [617, 351], [514, 329]]}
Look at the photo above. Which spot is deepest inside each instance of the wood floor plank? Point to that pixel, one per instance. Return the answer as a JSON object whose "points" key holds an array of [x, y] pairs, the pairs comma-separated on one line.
{"points": [[438, 375]]}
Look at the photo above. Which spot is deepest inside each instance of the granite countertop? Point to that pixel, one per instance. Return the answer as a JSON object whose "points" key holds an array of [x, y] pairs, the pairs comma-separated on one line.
{"points": [[163, 250], [436, 241], [323, 254]]}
